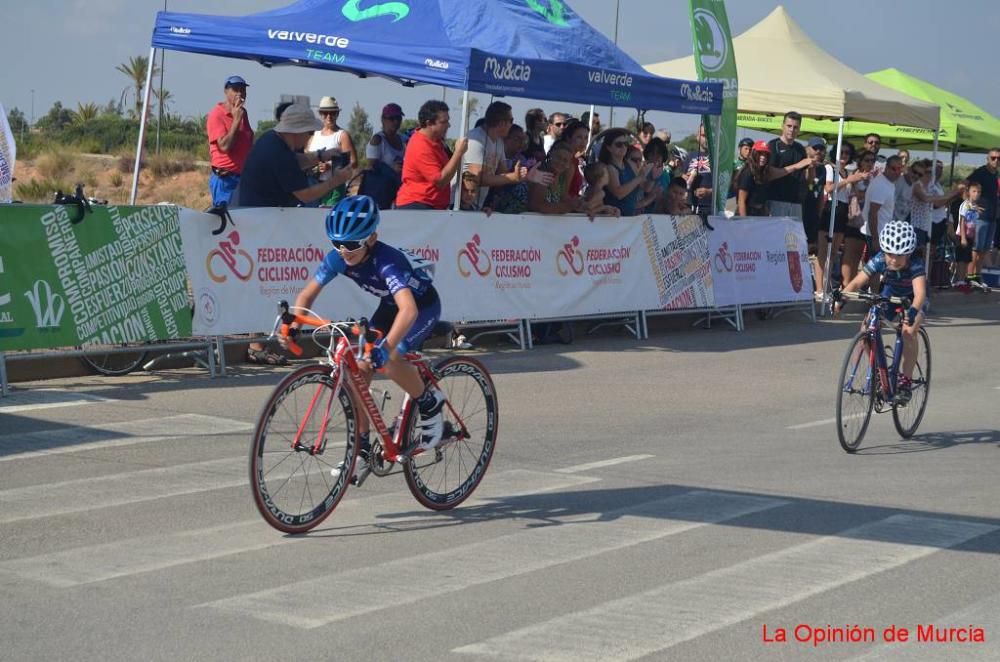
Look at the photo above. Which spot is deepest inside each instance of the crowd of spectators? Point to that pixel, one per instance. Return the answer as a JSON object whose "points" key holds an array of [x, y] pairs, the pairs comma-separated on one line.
{"points": [[558, 164]]}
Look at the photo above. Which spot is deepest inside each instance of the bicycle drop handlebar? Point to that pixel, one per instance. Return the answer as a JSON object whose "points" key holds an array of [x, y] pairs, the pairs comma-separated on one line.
{"points": [[366, 336]]}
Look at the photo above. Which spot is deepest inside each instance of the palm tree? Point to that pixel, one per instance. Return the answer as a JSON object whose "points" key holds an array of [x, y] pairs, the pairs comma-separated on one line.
{"points": [[135, 69], [163, 99], [86, 112]]}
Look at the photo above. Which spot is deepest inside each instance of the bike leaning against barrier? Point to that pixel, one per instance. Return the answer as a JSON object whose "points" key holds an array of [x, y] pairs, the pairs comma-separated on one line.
{"points": [[877, 377], [325, 412]]}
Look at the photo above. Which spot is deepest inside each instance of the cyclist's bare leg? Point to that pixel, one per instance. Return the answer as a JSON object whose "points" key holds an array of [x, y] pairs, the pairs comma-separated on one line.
{"points": [[911, 343], [405, 374]]}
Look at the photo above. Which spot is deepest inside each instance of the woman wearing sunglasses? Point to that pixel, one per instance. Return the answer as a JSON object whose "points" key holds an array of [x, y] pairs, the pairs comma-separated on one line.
{"points": [[625, 179], [408, 308]]}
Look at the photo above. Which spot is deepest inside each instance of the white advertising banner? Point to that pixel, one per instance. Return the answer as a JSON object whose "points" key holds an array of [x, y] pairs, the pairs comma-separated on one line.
{"points": [[8, 157], [501, 267], [759, 260]]}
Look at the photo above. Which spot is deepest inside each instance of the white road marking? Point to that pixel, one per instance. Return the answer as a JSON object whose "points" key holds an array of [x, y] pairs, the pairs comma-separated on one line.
{"points": [[655, 620], [111, 435], [984, 614], [603, 463], [85, 494], [130, 557], [46, 398], [816, 424], [326, 599]]}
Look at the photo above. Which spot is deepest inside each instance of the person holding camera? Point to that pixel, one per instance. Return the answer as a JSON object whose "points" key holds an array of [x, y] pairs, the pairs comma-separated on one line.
{"points": [[274, 172], [336, 142]]}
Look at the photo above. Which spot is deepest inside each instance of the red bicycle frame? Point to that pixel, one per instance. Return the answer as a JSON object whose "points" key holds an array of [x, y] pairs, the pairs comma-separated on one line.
{"points": [[344, 360]]}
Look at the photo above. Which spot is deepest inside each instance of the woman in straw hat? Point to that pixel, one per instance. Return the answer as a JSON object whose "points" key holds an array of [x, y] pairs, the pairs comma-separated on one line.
{"points": [[335, 141]]}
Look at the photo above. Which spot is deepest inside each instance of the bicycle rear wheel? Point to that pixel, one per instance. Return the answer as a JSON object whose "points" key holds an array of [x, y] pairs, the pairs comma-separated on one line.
{"points": [[907, 417], [855, 393], [294, 486], [444, 477]]}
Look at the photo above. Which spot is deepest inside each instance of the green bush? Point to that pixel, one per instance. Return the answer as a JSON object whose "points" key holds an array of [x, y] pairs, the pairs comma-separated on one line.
{"points": [[40, 191], [55, 163]]}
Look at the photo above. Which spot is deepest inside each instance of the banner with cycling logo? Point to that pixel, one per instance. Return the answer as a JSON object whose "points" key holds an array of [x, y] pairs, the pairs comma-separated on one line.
{"points": [[497, 268], [759, 260], [115, 276]]}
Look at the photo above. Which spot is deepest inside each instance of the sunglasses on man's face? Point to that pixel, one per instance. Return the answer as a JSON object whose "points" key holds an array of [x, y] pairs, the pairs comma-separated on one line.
{"points": [[995, 158], [349, 246], [619, 144], [553, 124]]}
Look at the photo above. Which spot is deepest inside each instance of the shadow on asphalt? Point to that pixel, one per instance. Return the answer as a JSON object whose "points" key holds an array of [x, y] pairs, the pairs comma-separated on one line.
{"points": [[934, 441], [798, 515]]}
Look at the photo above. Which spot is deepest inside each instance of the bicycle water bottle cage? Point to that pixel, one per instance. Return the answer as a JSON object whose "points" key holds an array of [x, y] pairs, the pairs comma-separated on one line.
{"points": [[222, 211]]}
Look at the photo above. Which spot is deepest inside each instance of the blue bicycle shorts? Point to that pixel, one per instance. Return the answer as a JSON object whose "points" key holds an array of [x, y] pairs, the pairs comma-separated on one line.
{"points": [[428, 314]]}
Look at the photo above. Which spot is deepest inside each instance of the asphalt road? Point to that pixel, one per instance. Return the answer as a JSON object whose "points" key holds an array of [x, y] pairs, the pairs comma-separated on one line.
{"points": [[680, 498]]}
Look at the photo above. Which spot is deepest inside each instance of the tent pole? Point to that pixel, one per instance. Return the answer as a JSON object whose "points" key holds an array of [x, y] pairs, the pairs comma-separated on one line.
{"points": [[142, 125], [927, 246], [590, 131], [833, 215], [716, 121], [954, 153], [456, 189]]}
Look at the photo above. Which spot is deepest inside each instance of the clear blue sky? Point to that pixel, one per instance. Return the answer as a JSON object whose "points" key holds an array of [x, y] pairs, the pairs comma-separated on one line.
{"points": [[67, 50]]}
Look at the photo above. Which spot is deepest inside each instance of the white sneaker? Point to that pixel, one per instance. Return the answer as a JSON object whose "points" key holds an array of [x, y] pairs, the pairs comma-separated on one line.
{"points": [[431, 424], [461, 342]]}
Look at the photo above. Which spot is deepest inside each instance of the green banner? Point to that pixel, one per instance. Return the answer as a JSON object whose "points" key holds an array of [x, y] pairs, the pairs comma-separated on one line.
{"points": [[116, 276], [715, 61]]}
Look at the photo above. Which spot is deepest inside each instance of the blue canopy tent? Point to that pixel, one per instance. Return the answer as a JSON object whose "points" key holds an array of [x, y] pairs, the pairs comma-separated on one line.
{"points": [[539, 49]]}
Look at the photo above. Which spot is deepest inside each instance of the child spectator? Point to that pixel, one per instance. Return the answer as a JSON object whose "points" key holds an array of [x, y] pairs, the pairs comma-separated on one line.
{"points": [[593, 200], [965, 256], [470, 194]]}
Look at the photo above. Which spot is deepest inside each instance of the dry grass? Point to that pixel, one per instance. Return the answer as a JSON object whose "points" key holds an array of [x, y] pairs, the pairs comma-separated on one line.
{"points": [[55, 163]]}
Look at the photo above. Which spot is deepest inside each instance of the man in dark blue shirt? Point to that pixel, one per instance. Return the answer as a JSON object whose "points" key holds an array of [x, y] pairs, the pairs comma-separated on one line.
{"points": [[274, 172]]}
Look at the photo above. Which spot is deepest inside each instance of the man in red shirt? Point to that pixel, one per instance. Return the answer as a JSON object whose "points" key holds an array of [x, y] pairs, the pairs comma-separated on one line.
{"points": [[427, 166], [229, 140]]}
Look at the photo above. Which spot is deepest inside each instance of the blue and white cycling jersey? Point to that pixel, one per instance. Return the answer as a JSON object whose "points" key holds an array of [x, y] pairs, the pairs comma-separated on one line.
{"points": [[896, 283], [387, 270]]}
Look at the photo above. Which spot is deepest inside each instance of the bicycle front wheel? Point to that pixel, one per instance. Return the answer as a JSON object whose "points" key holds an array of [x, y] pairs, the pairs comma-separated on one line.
{"points": [[305, 437], [907, 417], [444, 477], [114, 364], [855, 393]]}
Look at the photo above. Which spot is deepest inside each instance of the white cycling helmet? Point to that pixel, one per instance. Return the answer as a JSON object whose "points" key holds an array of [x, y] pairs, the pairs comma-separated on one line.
{"points": [[898, 238]]}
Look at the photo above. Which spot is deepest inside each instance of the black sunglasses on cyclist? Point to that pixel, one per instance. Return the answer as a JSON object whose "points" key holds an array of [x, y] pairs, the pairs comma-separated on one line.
{"points": [[349, 246]]}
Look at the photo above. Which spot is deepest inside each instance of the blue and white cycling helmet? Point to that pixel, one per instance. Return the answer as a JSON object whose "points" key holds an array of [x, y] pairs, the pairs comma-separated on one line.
{"points": [[898, 238], [353, 218]]}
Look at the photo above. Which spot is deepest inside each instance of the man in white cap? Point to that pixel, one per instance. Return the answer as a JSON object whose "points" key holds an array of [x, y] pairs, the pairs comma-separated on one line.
{"points": [[274, 176]]}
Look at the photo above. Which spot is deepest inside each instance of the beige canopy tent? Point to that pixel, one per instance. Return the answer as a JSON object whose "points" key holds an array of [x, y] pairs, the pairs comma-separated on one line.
{"points": [[781, 69]]}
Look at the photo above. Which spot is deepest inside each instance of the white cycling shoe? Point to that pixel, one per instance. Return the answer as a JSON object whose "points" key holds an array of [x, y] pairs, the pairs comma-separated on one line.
{"points": [[431, 424]]}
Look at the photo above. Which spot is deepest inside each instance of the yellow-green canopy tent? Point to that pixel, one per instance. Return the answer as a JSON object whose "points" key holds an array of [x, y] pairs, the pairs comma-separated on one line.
{"points": [[964, 125]]}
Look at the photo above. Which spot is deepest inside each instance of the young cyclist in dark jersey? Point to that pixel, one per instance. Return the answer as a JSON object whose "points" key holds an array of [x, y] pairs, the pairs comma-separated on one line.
{"points": [[903, 275], [408, 308]]}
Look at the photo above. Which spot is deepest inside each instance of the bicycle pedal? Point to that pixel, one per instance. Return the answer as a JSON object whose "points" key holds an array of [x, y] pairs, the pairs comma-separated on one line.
{"points": [[357, 480]]}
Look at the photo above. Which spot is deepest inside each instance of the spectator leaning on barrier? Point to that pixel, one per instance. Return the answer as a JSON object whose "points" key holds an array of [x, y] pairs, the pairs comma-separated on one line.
{"points": [[596, 176], [699, 176], [553, 197], [880, 202], [784, 196], [335, 141], [274, 176], [486, 158], [575, 133], [625, 182], [384, 159], [676, 202], [755, 178], [229, 140], [428, 168]]}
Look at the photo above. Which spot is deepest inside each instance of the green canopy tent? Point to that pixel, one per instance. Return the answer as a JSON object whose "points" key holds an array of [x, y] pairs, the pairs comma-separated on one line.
{"points": [[964, 126]]}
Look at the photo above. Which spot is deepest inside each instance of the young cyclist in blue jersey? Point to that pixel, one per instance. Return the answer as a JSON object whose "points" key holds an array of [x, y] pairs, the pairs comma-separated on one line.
{"points": [[903, 275], [408, 309]]}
